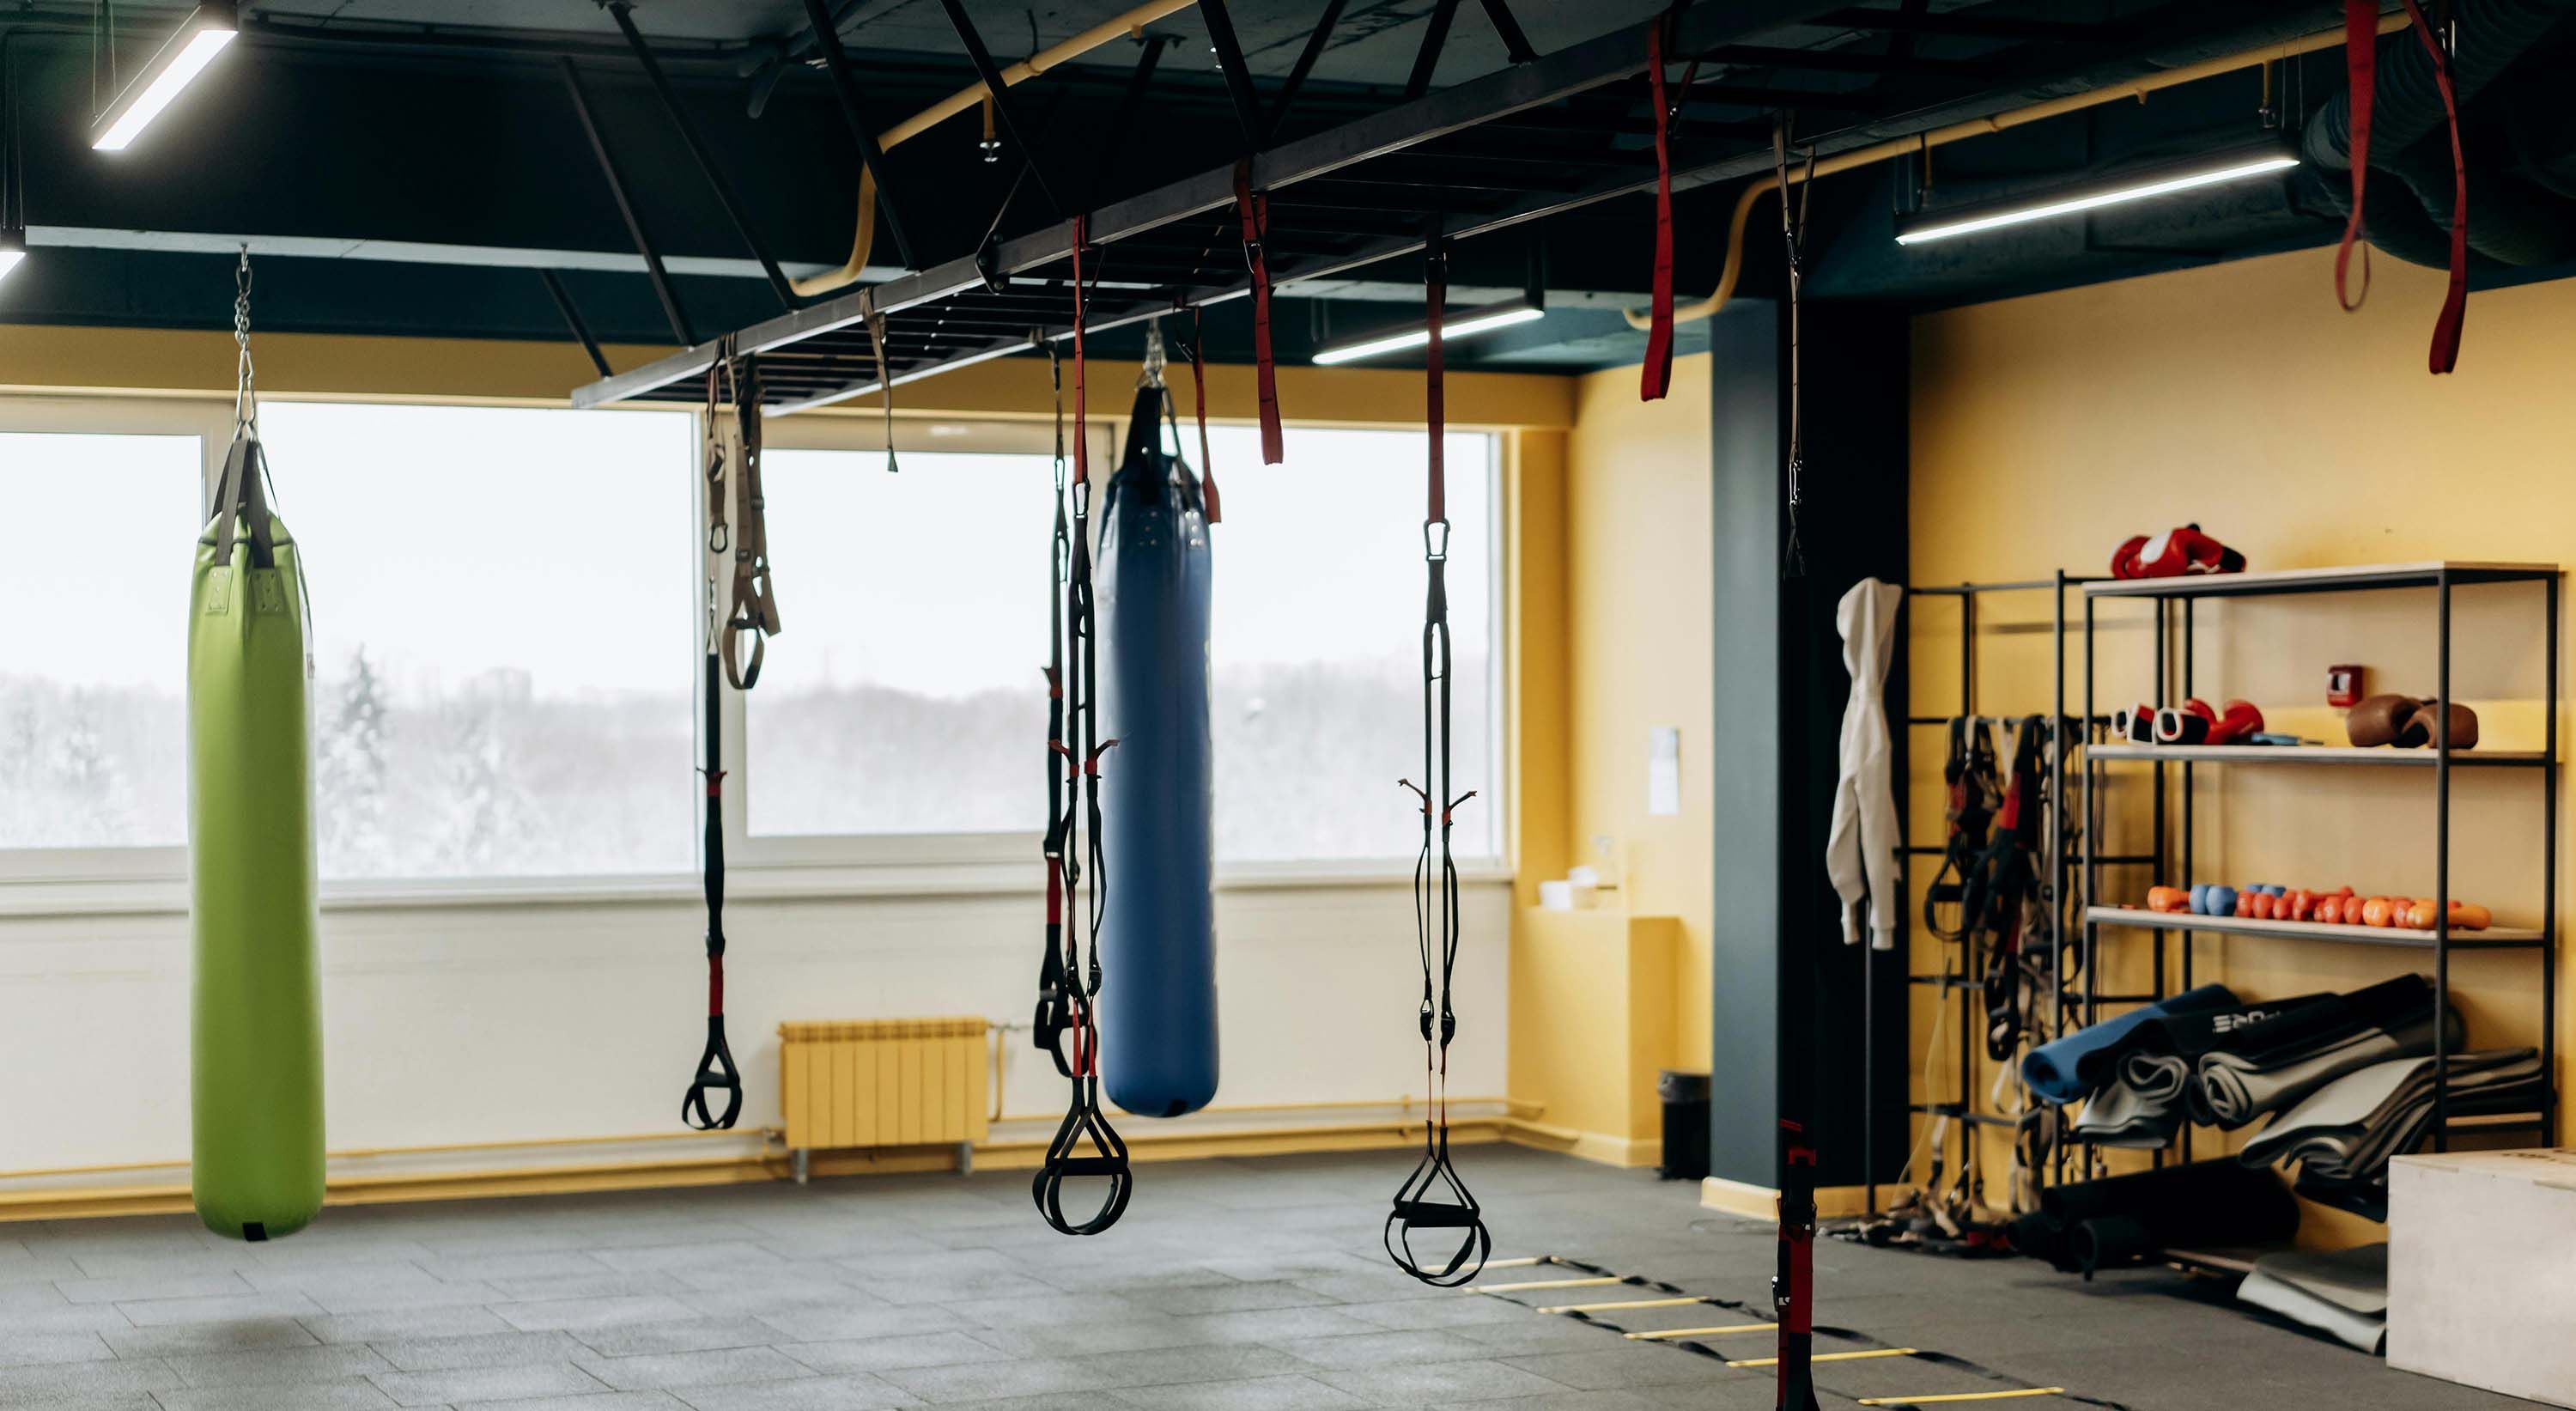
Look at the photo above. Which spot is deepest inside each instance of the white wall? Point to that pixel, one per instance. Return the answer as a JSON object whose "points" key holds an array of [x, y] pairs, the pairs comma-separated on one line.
{"points": [[526, 1020]]}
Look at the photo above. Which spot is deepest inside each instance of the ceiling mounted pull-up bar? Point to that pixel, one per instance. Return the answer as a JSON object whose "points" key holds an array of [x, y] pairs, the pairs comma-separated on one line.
{"points": [[1238, 74], [622, 12], [997, 89], [845, 86], [653, 267]]}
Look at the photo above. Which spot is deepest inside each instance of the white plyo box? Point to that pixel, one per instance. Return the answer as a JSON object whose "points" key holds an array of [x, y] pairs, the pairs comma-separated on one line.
{"points": [[2482, 1270]]}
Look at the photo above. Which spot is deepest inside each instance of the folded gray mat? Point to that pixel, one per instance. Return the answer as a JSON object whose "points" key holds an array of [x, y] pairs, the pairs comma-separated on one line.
{"points": [[2230, 1089], [2350, 1127], [2142, 1106], [2343, 1293]]}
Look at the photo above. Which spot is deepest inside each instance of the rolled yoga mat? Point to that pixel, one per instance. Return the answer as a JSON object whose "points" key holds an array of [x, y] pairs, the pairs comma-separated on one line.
{"points": [[2121, 1219], [1158, 930], [256, 1023], [2073, 1066]]}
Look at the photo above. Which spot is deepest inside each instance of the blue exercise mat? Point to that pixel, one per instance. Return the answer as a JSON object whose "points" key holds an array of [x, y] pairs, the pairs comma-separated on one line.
{"points": [[2073, 1067]]}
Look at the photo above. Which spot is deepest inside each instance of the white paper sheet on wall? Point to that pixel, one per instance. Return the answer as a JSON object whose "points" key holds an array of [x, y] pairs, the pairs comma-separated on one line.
{"points": [[1664, 771]]}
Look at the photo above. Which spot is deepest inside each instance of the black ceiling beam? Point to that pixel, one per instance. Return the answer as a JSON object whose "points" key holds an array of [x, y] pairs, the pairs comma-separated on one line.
{"points": [[845, 86], [1515, 43], [1316, 39], [1435, 38], [1755, 56], [573, 320], [1972, 25], [1238, 74], [998, 94], [1124, 120], [622, 12], [653, 267]]}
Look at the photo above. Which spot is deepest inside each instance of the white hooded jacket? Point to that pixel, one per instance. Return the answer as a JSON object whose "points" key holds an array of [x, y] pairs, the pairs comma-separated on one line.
{"points": [[1860, 851]]}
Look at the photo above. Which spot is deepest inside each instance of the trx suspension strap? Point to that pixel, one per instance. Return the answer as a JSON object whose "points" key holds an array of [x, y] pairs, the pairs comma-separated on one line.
{"points": [[2361, 68], [1433, 1198], [1047, 1026], [1657, 377], [755, 603], [716, 1071], [1255, 214], [1077, 977]]}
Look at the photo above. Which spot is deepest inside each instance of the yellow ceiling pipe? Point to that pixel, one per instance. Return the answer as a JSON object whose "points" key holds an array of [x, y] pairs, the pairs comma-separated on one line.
{"points": [[864, 236], [2137, 88]]}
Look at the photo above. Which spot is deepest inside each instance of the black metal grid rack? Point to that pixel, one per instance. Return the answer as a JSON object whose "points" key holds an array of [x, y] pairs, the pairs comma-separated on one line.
{"points": [[1550, 134], [2174, 623]]}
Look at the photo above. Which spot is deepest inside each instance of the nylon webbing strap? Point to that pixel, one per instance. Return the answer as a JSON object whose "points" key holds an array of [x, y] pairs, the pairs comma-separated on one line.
{"points": [[1053, 1015], [2361, 68], [716, 1073], [1255, 213], [1198, 390], [1085, 1125], [1657, 376], [1433, 1197], [241, 502], [754, 612]]}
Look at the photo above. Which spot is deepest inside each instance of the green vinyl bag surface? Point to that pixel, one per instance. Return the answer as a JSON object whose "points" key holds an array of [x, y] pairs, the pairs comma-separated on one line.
{"points": [[256, 1022]]}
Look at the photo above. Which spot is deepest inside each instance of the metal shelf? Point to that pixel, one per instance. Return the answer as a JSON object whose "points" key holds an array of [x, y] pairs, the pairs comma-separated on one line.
{"points": [[2320, 754], [2323, 580], [2492, 938]]}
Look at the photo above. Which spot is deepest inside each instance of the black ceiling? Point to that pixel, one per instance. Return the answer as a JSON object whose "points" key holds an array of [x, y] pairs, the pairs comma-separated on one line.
{"points": [[416, 163]]}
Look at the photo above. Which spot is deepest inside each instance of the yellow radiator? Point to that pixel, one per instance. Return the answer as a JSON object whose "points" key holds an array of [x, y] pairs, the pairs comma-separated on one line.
{"points": [[882, 1082]]}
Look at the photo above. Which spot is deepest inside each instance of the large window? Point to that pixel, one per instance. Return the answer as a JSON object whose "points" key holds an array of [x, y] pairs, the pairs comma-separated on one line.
{"points": [[93, 743], [904, 696], [504, 607]]}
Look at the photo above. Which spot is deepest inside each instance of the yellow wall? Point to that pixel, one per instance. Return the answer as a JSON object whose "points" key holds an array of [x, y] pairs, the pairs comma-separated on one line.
{"points": [[1640, 637], [2047, 429]]}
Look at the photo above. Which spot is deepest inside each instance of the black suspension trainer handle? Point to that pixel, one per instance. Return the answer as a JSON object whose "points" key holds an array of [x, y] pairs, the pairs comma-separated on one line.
{"points": [[1085, 1147], [1433, 1198], [716, 1071]]}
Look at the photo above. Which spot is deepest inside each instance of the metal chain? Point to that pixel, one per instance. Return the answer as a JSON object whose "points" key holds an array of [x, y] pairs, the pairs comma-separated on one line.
{"points": [[245, 394]]}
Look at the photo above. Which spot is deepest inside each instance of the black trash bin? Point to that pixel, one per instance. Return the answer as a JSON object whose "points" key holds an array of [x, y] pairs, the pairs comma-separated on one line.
{"points": [[1685, 1097]]}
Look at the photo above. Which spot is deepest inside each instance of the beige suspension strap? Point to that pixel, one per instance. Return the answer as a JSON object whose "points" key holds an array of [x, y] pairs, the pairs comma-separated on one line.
{"points": [[753, 611]]}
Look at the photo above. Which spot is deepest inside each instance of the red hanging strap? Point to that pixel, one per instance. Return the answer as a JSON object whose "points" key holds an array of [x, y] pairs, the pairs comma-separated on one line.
{"points": [[1198, 388], [1657, 376], [1255, 211], [1436, 294], [2361, 66]]}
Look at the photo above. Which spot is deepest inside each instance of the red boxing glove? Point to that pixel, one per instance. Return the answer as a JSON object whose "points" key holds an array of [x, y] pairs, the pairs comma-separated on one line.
{"points": [[2187, 724], [2233, 724], [2174, 554]]}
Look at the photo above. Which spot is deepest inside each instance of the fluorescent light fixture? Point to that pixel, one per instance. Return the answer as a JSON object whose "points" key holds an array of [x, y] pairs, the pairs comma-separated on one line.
{"points": [[199, 39], [13, 250], [1460, 323], [2209, 169]]}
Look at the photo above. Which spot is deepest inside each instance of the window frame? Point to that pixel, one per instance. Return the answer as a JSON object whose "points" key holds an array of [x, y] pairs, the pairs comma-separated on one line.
{"points": [[972, 860], [210, 421]]}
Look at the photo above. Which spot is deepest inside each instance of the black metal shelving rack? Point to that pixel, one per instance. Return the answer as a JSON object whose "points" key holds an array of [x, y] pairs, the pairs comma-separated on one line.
{"points": [[1962, 988], [2174, 601]]}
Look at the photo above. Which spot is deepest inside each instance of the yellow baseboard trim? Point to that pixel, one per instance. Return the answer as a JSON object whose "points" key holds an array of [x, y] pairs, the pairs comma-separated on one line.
{"points": [[75, 1202], [1626, 1152], [1763, 1202]]}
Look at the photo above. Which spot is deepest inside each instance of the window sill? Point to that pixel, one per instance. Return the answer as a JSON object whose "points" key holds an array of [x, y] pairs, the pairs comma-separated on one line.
{"points": [[745, 886]]}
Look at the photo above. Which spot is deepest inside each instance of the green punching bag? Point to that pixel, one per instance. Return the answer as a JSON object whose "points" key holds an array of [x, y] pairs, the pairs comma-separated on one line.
{"points": [[257, 1020]]}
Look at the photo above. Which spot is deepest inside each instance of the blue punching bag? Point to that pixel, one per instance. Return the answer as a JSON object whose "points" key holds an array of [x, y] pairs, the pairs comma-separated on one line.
{"points": [[1158, 929]]}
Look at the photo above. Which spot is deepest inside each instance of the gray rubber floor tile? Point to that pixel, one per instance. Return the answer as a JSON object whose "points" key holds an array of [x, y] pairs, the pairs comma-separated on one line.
{"points": [[1228, 1298], [1624, 1365], [598, 1401], [501, 1349], [1381, 1349], [1275, 1325], [588, 1314], [609, 1283], [139, 1401], [124, 1377], [1578, 1401], [1439, 1382], [817, 1323], [694, 1335], [902, 1350], [277, 1364], [721, 1254], [1080, 1339], [685, 1369], [534, 1264], [405, 1324], [850, 1392], [293, 1396], [219, 1284], [29, 1349], [209, 1337], [1169, 1365], [993, 1381], [1535, 1332], [1444, 1312], [466, 1384], [1048, 1309], [1289, 1393], [229, 1308], [1065, 1401]]}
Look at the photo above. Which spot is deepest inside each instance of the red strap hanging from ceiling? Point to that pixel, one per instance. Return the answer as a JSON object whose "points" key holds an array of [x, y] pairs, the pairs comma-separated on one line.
{"points": [[1657, 376], [1255, 212], [2361, 67]]}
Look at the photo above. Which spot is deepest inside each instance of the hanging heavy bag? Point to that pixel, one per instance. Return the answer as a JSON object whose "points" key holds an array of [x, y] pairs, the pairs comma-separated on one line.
{"points": [[1158, 937], [257, 1024]]}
